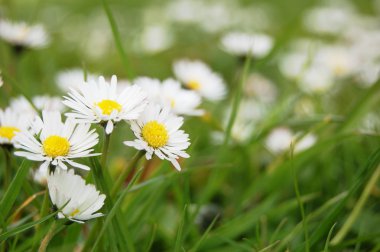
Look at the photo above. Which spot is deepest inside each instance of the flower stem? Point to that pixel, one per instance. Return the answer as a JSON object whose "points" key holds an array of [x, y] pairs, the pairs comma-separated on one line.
{"points": [[49, 235], [106, 145], [358, 207], [131, 166], [8, 168]]}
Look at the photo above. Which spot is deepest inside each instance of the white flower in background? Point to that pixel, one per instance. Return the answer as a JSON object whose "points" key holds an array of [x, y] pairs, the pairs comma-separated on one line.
{"points": [[241, 44], [11, 124], [155, 38], [23, 35], [157, 132], [184, 11], [279, 140], [21, 105], [261, 88], [102, 102], [305, 143], [48, 103], [331, 20], [79, 202], [170, 94], [215, 16], [40, 175], [73, 78], [42, 102], [337, 58], [197, 76], [316, 79], [56, 143]]}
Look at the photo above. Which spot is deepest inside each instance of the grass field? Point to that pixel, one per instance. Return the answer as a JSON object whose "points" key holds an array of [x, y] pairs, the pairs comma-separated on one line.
{"points": [[284, 150]]}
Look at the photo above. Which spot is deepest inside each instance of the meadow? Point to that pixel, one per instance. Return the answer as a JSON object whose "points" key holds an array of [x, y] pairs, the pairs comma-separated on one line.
{"points": [[189, 125]]}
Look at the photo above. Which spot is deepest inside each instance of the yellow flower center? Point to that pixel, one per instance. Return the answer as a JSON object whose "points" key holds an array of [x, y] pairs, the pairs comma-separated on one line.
{"points": [[172, 103], [193, 85], [107, 106], [8, 132], [155, 134], [75, 212], [56, 146]]}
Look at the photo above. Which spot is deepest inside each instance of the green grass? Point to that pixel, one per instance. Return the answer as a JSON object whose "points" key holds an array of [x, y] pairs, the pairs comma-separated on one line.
{"points": [[231, 195]]}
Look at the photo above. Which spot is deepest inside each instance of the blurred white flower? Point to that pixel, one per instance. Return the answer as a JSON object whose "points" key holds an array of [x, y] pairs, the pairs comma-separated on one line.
{"points": [[305, 143], [158, 132], [55, 142], [101, 102], [170, 94], [316, 79], [11, 124], [21, 105], [82, 201], [279, 140], [48, 103], [258, 45], [23, 35], [261, 88], [329, 19], [72, 78], [184, 11], [40, 175], [197, 76], [155, 38]]}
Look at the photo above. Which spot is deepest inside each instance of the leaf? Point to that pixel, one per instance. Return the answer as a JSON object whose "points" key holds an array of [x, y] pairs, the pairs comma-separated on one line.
{"points": [[13, 191]]}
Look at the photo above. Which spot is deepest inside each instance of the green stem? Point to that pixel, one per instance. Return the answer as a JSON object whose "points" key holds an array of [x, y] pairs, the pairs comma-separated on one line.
{"points": [[358, 208], [43, 212], [236, 101], [106, 145], [117, 38], [49, 235], [8, 168], [131, 166]]}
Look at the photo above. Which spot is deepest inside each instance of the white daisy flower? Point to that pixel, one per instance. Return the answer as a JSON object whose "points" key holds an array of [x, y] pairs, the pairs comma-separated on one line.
{"points": [[100, 102], [12, 123], [49, 103], [82, 201], [72, 78], [170, 94], [197, 76], [40, 175], [23, 35], [55, 142], [22, 106], [241, 44], [155, 38], [279, 140], [158, 133]]}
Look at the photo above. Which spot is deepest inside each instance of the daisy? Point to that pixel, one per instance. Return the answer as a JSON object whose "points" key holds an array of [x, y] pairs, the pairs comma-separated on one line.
{"points": [[242, 44], [197, 76], [157, 132], [75, 200], [23, 35], [100, 102], [12, 123], [72, 78], [170, 94], [49, 103], [56, 143]]}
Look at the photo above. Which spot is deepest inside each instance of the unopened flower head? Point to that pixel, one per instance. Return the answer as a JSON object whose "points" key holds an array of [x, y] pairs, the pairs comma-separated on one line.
{"points": [[11, 124], [55, 143], [73, 78], [76, 201], [170, 94], [158, 132], [23, 35], [197, 76], [101, 102], [241, 44]]}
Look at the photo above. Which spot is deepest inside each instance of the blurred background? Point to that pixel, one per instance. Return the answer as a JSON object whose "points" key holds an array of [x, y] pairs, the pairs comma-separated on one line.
{"points": [[317, 87]]}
